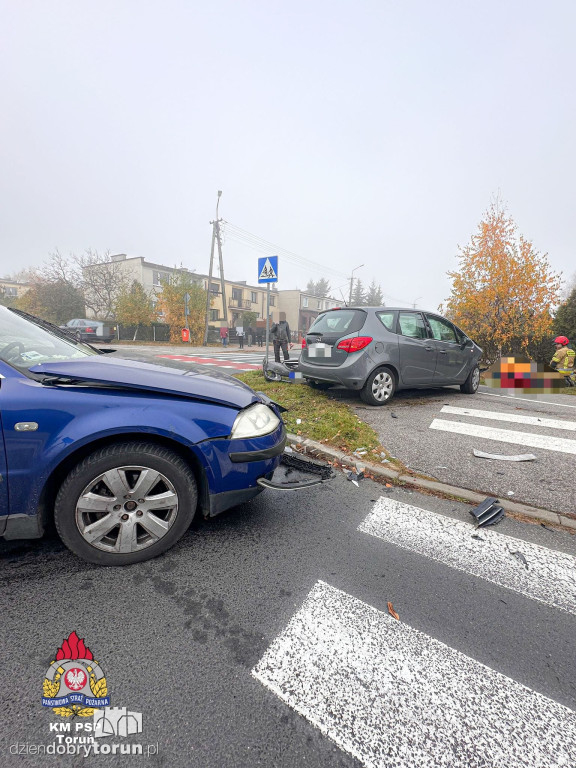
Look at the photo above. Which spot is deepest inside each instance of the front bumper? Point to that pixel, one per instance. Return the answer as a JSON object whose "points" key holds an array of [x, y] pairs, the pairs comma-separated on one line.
{"points": [[233, 468]]}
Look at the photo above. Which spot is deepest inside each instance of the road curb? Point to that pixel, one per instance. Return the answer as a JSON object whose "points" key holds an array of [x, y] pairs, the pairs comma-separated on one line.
{"points": [[513, 507]]}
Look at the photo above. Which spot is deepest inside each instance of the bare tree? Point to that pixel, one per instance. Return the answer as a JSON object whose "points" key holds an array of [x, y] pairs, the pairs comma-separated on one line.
{"points": [[102, 281]]}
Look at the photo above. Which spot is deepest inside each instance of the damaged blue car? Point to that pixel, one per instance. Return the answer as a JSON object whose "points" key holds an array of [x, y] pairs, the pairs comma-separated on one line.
{"points": [[121, 454]]}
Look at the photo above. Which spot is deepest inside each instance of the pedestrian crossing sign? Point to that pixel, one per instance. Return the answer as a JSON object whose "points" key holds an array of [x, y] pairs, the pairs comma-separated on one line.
{"points": [[268, 269]]}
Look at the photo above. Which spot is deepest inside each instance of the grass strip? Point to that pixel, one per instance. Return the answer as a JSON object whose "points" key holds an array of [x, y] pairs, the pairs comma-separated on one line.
{"points": [[322, 417]]}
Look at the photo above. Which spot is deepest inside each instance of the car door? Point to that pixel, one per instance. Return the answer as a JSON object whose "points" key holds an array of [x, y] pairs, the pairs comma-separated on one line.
{"points": [[417, 351], [452, 361]]}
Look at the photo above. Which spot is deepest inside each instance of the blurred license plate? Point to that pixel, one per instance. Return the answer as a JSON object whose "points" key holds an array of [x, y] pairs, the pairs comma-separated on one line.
{"points": [[319, 350]]}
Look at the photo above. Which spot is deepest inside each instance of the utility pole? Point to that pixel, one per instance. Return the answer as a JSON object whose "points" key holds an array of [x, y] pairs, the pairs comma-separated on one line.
{"points": [[352, 282], [216, 240]]}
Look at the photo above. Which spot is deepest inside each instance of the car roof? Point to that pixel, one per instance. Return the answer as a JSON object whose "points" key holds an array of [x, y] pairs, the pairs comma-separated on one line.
{"points": [[389, 309]]}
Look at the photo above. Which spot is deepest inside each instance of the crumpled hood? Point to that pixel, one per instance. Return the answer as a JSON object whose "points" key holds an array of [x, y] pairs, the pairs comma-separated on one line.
{"points": [[196, 383]]}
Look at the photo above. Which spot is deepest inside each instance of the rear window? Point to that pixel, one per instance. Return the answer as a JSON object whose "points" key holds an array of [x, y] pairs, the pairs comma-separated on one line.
{"points": [[340, 321]]}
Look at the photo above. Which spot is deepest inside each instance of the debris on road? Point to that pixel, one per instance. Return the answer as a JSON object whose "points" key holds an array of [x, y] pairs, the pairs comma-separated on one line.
{"points": [[501, 456], [294, 462], [392, 612], [488, 512], [393, 415], [519, 556], [510, 493], [480, 538]]}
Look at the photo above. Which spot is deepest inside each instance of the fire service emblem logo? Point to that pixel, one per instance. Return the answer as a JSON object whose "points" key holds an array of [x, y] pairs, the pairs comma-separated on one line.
{"points": [[75, 685]]}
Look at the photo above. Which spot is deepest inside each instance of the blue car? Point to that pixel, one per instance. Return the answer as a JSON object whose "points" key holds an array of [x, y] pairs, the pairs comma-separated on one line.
{"points": [[121, 454]]}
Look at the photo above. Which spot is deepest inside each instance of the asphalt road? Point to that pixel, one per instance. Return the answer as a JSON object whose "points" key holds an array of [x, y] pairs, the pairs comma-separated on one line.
{"points": [[178, 637], [405, 428]]}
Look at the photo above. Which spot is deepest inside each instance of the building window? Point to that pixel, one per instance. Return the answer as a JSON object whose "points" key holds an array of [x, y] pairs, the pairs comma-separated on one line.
{"points": [[214, 288], [237, 294], [254, 297], [319, 305], [213, 314], [159, 277], [305, 301], [10, 291], [272, 300]]}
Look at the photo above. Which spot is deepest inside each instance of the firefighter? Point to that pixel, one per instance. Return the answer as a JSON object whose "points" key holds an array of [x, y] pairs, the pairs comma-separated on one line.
{"points": [[563, 360]]}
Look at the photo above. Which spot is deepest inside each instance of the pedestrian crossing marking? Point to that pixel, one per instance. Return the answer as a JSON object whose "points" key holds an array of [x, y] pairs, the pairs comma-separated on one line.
{"points": [[515, 418], [390, 695], [226, 362], [546, 576], [507, 436]]}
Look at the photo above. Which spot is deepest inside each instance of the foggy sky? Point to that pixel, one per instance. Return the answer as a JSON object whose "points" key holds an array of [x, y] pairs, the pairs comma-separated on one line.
{"points": [[343, 131]]}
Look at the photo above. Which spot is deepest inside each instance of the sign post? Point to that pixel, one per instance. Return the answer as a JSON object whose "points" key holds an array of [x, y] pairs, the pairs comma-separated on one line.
{"points": [[268, 273], [186, 313]]}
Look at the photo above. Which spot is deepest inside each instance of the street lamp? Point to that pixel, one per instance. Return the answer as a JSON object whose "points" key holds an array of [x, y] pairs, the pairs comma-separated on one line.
{"points": [[352, 281], [414, 302]]}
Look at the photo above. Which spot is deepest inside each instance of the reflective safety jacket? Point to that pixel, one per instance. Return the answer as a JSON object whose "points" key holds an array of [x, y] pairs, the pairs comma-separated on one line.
{"points": [[563, 360]]}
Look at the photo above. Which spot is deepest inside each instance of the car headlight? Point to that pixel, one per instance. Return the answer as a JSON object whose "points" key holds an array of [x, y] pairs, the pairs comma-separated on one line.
{"points": [[255, 421]]}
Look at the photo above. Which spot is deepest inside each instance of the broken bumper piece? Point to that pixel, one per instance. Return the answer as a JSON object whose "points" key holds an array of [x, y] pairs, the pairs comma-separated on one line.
{"points": [[296, 472], [488, 512]]}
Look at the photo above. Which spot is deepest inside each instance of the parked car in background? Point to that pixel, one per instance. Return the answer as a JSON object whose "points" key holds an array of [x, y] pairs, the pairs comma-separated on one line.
{"points": [[91, 330], [121, 454], [379, 350]]}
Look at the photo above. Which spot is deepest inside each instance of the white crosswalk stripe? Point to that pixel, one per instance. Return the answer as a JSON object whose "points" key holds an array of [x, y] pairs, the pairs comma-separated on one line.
{"points": [[505, 435], [539, 573], [514, 418], [533, 440], [394, 697]]}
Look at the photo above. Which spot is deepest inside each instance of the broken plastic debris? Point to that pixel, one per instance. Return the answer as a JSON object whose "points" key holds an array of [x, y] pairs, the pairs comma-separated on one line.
{"points": [[298, 421], [488, 512], [520, 556], [392, 612], [518, 457], [288, 449], [510, 493], [393, 415]]}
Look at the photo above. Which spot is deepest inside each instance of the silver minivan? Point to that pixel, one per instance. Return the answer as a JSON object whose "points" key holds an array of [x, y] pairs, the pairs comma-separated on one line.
{"points": [[379, 350]]}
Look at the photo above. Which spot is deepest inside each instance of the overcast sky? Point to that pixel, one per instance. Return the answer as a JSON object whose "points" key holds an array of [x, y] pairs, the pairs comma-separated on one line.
{"points": [[346, 132]]}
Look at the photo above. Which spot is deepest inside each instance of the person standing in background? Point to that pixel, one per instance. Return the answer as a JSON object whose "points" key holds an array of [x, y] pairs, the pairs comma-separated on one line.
{"points": [[224, 336]]}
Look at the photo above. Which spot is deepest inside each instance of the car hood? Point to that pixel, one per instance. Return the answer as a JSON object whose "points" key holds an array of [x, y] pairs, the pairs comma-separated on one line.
{"points": [[196, 384]]}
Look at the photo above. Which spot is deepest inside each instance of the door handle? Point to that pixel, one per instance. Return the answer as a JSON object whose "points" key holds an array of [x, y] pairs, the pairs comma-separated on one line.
{"points": [[443, 352], [429, 349]]}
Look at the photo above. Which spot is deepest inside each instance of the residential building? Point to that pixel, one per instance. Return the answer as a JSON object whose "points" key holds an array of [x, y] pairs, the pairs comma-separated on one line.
{"points": [[302, 309], [240, 297], [12, 289]]}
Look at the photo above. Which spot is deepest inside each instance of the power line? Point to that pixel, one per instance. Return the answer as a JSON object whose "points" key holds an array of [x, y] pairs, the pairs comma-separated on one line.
{"points": [[250, 240]]}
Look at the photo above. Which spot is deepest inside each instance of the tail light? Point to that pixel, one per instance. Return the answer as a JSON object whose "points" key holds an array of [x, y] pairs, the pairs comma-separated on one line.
{"points": [[355, 344], [89, 330]]}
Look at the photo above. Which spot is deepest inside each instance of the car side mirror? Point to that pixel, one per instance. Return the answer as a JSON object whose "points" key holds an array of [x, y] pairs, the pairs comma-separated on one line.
{"points": [[466, 342]]}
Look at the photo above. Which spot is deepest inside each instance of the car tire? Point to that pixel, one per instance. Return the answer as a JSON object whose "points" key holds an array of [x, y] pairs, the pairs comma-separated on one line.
{"points": [[93, 493], [470, 386], [379, 387], [319, 384]]}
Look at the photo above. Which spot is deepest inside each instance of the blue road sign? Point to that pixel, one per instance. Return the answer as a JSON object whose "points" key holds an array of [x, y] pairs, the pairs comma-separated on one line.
{"points": [[268, 269]]}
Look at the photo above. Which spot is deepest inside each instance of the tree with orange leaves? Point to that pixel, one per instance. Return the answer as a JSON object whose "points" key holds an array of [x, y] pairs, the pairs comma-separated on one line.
{"points": [[504, 292]]}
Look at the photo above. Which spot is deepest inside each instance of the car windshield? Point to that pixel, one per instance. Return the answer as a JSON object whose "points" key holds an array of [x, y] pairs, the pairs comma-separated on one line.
{"points": [[26, 342]]}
